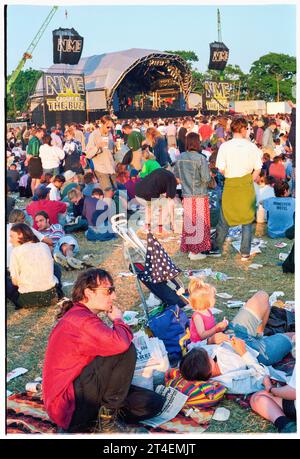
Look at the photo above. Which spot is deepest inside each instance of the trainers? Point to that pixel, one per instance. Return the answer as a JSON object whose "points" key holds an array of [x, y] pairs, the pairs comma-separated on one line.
{"points": [[245, 257], [214, 253], [108, 422], [74, 263], [196, 256], [61, 260]]}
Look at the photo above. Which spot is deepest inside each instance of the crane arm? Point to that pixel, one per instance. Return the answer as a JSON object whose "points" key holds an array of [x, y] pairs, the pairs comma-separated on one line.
{"points": [[28, 53]]}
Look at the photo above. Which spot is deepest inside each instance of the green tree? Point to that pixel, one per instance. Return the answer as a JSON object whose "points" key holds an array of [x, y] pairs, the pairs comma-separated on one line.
{"points": [[188, 56], [271, 77], [23, 87]]}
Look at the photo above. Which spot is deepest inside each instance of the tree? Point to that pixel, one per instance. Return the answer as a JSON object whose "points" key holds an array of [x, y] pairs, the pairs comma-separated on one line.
{"points": [[188, 56], [271, 77], [23, 87]]}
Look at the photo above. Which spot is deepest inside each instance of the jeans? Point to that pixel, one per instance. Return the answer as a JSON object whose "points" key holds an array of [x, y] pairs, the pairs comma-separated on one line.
{"points": [[272, 349], [222, 230]]}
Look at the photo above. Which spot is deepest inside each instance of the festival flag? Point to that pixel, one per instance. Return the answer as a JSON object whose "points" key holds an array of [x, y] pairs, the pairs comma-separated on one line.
{"points": [[158, 265]]}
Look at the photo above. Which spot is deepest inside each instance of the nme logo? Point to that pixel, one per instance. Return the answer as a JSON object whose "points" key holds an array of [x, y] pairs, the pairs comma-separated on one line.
{"points": [[67, 45], [57, 84], [220, 56]]}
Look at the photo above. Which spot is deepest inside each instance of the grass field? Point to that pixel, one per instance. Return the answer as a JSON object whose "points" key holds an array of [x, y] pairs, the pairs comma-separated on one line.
{"points": [[28, 330]]}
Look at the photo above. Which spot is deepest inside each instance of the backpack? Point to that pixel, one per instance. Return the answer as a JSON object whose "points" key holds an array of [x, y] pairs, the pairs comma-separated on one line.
{"points": [[201, 394], [288, 266], [170, 326]]}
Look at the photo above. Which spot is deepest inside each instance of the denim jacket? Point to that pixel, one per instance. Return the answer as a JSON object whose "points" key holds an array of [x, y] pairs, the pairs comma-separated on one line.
{"points": [[193, 171]]}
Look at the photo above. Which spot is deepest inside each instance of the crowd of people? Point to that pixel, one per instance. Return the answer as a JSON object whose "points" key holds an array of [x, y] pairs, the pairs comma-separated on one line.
{"points": [[225, 171]]}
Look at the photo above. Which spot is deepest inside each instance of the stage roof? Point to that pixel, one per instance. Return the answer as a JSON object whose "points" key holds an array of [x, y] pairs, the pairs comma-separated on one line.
{"points": [[106, 71]]}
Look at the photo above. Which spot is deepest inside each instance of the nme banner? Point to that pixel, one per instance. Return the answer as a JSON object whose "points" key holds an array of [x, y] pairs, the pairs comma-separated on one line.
{"points": [[64, 92], [219, 54], [67, 46], [216, 95]]}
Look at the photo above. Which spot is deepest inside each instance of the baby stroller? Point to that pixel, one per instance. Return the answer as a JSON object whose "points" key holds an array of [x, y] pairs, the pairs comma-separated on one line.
{"points": [[154, 268]]}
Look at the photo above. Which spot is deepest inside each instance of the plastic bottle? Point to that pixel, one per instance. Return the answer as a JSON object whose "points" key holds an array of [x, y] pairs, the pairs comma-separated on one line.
{"points": [[219, 276]]}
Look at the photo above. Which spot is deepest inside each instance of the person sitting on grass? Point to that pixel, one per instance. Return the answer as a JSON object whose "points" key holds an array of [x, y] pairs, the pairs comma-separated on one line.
{"points": [[77, 221], [55, 187], [247, 326], [64, 247], [277, 404], [72, 181], [202, 298], [41, 201], [90, 182], [31, 268], [280, 210], [88, 365]]}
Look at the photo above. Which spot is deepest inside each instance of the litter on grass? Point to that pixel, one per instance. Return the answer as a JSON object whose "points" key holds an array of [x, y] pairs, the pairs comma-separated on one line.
{"points": [[125, 274], [67, 284], [221, 414], [15, 373], [255, 266], [283, 256], [280, 245], [234, 304], [256, 245], [224, 295]]}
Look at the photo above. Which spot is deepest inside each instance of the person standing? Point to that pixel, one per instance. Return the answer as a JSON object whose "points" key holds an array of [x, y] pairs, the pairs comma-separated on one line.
{"points": [[99, 149], [51, 155], [181, 135], [33, 160], [73, 151], [192, 171], [239, 161], [267, 138], [134, 142]]}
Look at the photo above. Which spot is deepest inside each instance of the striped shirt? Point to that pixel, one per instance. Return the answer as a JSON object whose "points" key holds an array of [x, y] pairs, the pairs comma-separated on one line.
{"points": [[54, 232]]}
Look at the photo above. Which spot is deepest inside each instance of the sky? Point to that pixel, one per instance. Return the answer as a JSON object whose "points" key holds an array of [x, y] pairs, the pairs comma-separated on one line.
{"points": [[249, 31]]}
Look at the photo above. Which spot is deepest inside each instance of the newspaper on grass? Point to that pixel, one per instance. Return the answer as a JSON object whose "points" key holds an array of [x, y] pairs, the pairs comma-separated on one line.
{"points": [[175, 401], [15, 373], [256, 245]]}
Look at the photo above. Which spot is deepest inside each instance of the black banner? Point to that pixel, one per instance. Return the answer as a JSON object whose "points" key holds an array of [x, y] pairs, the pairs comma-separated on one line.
{"points": [[216, 96], [64, 92], [67, 46], [219, 54]]}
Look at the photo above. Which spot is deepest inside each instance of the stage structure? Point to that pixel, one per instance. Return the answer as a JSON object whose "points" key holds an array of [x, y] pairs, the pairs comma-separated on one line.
{"points": [[131, 83]]}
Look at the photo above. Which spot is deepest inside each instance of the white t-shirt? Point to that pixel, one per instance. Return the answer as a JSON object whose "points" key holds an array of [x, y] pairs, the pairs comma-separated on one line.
{"points": [[31, 265], [9, 246], [54, 193], [238, 157], [50, 156]]}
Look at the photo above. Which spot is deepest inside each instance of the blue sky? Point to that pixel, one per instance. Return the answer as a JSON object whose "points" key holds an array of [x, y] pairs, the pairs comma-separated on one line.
{"points": [[248, 31]]}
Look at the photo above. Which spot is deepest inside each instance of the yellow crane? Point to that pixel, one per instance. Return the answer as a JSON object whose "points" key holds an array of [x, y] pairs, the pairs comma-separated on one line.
{"points": [[28, 53]]}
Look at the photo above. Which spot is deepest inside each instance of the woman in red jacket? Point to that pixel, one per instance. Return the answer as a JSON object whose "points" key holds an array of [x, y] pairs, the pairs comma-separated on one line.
{"points": [[89, 366]]}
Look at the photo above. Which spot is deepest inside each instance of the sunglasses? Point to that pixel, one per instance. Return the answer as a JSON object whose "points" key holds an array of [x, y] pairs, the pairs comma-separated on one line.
{"points": [[108, 290]]}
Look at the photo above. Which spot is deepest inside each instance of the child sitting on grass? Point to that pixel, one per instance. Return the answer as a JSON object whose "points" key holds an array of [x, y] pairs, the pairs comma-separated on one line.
{"points": [[203, 324]]}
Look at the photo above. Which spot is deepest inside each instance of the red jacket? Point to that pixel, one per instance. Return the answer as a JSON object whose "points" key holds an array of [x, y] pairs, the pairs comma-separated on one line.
{"points": [[52, 208], [76, 340]]}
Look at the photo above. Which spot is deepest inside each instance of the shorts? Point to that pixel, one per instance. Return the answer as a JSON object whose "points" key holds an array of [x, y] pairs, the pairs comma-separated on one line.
{"points": [[289, 409], [272, 349]]}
